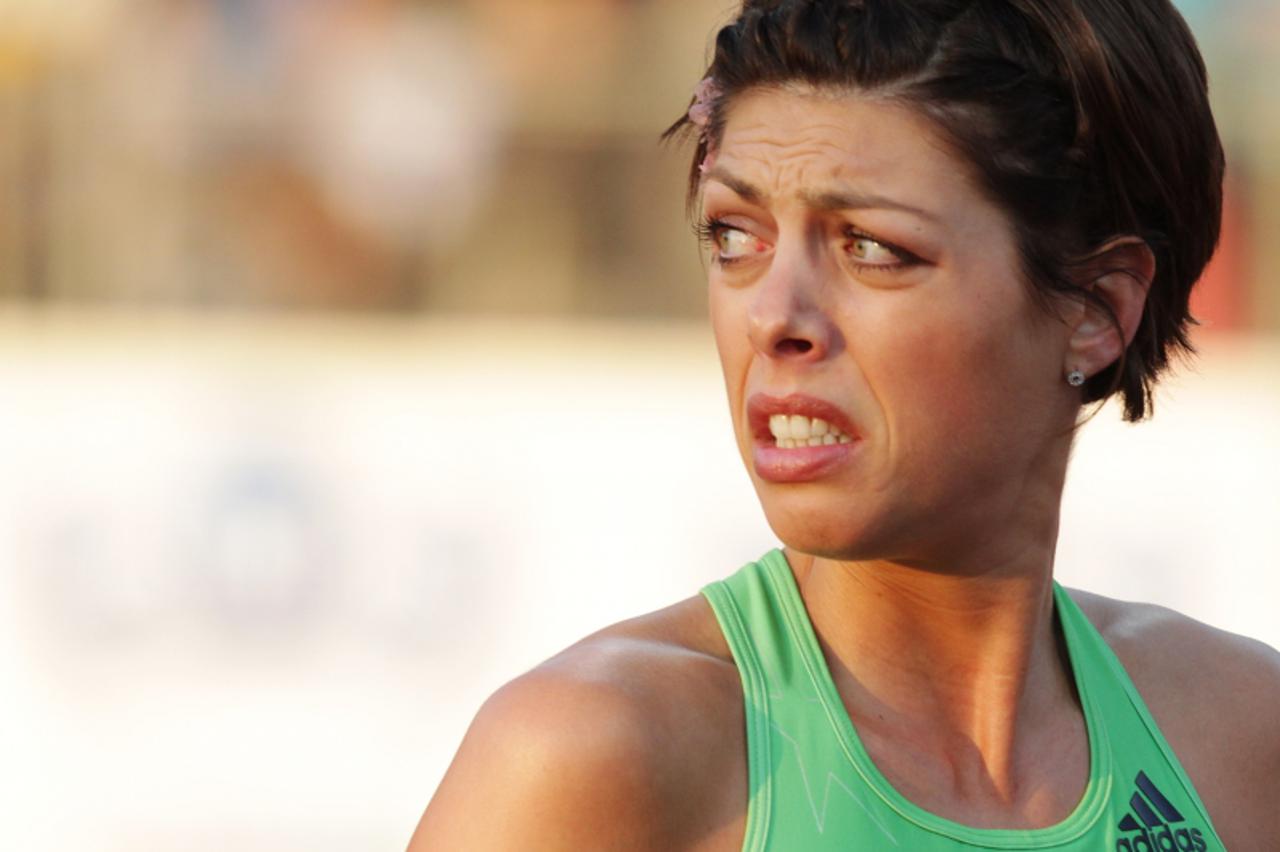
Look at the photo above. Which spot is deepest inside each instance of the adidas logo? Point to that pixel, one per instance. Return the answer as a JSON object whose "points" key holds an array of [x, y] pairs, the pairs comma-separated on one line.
{"points": [[1154, 816]]}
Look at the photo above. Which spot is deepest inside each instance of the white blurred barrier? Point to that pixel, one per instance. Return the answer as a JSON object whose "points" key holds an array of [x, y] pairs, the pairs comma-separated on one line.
{"points": [[258, 575]]}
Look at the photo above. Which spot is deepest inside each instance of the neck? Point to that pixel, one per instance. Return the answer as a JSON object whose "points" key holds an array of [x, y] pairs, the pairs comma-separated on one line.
{"points": [[955, 662]]}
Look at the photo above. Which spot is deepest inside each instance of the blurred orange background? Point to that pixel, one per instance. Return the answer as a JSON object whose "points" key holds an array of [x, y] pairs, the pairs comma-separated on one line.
{"points": [[354, 359]]}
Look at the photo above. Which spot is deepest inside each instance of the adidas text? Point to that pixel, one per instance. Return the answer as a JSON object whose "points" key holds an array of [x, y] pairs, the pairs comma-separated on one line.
{"points": [[1163, 839]]}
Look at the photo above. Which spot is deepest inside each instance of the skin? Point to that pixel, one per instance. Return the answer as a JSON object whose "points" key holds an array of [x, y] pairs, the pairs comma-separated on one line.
{"points": [[925, 563]]}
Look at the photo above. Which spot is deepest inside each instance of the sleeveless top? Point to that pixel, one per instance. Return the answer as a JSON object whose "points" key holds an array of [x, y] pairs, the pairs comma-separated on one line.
{"points": [[813, 787]]}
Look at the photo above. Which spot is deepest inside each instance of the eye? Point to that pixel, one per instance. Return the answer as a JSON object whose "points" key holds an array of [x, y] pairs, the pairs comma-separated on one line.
{"points": [[729, 243], [872, 252], [734, 243], [867, 253]]}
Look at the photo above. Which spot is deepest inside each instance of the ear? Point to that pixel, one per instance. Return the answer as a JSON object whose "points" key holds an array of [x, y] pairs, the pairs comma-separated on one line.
{"points": [[1120, 273]]}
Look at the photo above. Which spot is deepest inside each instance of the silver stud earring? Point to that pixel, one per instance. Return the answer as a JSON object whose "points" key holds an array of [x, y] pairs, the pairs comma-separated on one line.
{"points": [[1075, 378]]}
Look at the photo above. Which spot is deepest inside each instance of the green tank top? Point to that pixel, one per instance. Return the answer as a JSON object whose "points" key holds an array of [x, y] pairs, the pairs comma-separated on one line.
{"points": [[814, 788]]}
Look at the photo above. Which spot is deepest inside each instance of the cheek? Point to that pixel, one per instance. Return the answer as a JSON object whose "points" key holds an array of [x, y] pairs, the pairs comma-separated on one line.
{"points": [[944, 375], [926, 354]]}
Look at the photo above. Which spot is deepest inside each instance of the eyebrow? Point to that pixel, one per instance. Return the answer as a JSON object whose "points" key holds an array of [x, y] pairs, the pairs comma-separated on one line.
{"points": [[830, 201]]}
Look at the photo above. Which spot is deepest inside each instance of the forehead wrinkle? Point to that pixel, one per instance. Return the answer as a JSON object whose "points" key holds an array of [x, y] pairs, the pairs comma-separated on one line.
{"points": [[799, 145], [796, 152], [765, 176], [830, 193], [781, 161], [786, 148]]}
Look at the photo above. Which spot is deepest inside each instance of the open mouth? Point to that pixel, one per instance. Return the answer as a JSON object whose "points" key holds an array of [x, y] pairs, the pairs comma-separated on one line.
{"points": [[799, 437], [798, 420], [791, 431]]}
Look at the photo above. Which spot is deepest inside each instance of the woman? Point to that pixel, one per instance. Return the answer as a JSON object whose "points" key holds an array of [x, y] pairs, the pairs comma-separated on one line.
{"points": [[938, 229]]}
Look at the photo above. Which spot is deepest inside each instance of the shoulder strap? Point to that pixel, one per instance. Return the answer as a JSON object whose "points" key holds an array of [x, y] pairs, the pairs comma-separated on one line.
{"points": [[741, 604], [805, 792], [1118, 698]]}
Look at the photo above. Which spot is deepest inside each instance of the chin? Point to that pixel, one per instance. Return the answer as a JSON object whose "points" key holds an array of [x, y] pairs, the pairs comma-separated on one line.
{"points": [[822, 531]]}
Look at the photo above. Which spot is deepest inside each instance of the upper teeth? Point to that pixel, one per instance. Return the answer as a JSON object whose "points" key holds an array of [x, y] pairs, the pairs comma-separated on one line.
{"points": [[796, 430]]}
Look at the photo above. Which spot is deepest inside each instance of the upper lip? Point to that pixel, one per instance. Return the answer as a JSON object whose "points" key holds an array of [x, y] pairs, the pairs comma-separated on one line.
{"points": [[762, 406]]}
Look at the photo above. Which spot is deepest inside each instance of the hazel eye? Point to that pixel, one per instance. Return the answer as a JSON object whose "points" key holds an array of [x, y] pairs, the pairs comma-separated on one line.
{"points": [[733, 243], [871, 252], [730, 244]]}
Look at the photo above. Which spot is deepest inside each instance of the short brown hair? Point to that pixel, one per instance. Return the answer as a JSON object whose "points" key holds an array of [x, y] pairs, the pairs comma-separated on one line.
{"points": [[1083, 119]]}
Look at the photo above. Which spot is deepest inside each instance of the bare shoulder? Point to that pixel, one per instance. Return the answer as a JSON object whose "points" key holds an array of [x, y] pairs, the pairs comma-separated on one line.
{"points": [[1214, 695], [1211, 671], [620, 741]]}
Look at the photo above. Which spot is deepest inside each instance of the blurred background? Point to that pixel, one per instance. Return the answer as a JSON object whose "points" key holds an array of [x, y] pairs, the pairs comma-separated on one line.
{"points": [[353, 359]]}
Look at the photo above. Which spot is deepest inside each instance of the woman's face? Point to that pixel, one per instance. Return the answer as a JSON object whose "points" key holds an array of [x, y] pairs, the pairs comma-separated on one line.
{"points": [[858, 273]]}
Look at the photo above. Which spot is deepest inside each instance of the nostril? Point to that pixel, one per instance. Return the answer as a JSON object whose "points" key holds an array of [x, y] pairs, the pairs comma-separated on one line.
{"points": [[791, 344]]}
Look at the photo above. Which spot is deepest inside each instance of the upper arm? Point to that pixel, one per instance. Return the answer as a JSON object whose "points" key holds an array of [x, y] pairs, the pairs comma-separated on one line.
{"points": [[551, 762]]}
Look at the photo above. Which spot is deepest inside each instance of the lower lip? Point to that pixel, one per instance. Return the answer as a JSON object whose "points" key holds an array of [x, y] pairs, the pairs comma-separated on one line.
{"points": [[801, 464]]}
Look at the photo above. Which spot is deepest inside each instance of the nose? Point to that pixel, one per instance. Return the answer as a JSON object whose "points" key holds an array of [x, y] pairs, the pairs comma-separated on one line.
{"points": [[786, 319]]}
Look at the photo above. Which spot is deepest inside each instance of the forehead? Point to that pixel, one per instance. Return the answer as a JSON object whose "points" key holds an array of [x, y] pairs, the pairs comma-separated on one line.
{"points": [[789, 142]]}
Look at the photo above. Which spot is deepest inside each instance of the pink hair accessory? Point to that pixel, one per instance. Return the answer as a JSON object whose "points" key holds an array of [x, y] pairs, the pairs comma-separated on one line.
{"points": [[704, 97]]}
